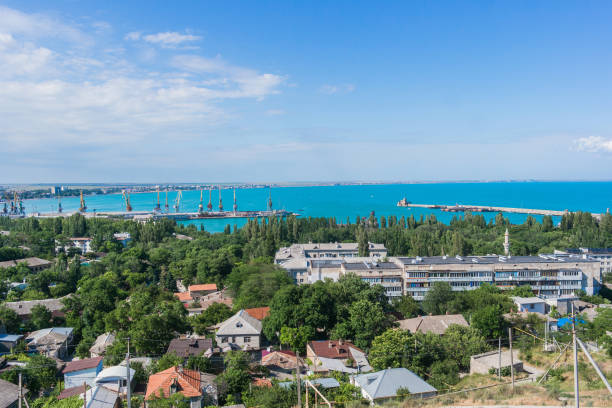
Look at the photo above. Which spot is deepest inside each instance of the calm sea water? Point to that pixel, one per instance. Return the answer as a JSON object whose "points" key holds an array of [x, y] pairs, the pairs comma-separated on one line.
{"points": [[349, 201]]}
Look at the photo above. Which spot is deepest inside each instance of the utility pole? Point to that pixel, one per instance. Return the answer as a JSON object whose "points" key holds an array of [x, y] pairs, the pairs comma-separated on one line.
{"points": [[499, 359], [546, 334], [84, 394], [511, 357], [299, 385], [127, 375], [576, 385], [20, 392]]}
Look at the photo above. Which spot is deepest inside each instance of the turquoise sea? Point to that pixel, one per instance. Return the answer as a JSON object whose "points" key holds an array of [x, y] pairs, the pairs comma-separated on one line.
{"points": [[342, 201]]}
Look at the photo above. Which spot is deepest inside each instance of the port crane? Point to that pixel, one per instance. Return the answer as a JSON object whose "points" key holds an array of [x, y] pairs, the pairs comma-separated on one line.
{"points": [[177, 201], [82, 207], [126, 197], [157, 207], [209, 206], [235, 205], [220, 200], [201, 205], [166, 206]]}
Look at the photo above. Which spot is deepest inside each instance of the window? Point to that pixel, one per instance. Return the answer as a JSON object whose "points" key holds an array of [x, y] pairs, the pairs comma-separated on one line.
{"points": [[247, 339]]}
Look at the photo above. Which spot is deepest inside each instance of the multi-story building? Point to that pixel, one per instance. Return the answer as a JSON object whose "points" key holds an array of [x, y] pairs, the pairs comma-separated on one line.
{"points": [[549, 276], [297, 258], [603, 255]]}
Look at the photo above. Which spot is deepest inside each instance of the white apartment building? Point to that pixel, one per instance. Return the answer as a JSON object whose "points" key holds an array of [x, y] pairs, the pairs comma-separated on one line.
{"points": [[603, 255]]}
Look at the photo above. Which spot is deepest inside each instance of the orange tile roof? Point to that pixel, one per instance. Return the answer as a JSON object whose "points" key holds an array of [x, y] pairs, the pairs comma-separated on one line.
{"points": [[262, 382], [188, 382], [183, 296], [205, 286], [258, 313]]}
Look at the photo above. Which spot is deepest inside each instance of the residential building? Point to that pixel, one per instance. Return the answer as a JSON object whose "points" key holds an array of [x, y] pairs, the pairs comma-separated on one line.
{"points": [[258, 313], [280, 362], [549, 276], [82, 371], [115, 378], [102, 397], [530, 304], [33, 263], [81, 243], [8, 342], [176, 380], [432, 324], [189, 347], [295, 259], [603, 255], [336, 355], [9, 394], [71, 392], [24, 308], [482, 363], [123, 237], [240, 331], [384, 384], [201, 290], [52, 342], [102, 342], [203, 302]]}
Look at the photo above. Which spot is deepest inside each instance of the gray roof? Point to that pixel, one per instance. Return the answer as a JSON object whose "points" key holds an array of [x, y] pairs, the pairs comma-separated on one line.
{"points": [[239, 324], [32, 262], [101, 397], [486, 259], [52, 335], [527, 300], [385, 383], [102, 342], [370, 265], [432, 324], [8, 393], [323, 382], [24, 307]]}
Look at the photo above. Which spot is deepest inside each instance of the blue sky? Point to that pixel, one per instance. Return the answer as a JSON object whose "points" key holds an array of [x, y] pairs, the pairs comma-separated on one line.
{"points": [[304, 91]]}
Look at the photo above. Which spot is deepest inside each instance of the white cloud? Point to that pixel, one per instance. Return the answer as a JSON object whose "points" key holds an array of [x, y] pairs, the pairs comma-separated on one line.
{"points": [[89, 95], [337, 89], [168, 39], [594, 144]]}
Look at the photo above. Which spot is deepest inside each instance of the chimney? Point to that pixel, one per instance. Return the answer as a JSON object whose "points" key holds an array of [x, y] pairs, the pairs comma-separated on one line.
{"points": [[329, 344], [340, 342]]}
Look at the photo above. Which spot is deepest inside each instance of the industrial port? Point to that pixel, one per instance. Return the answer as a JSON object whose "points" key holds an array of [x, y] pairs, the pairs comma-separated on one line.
{"points": [[14, 208]]}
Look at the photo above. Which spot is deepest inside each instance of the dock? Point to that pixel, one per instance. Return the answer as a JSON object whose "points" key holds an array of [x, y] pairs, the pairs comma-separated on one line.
{"points": [[178, 216], [487, 209]]}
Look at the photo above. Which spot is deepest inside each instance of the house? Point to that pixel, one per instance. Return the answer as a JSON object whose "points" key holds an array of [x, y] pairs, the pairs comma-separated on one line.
{"points": [[530, 304], [124, 238], [81, 243], [208, 300], [198, 291], [52, 342], [71, 392], [482, 363], [258, 313], [385, 384], [282, 363], [176, 380], [115, 378], [185, 298], [240, 331], [513, 317], [82, 371], [432, 324], [33, 263], [24, 307], [8, 342], [9, 393], [102, 342], [336, 355], [189, 347], [102, 397]]}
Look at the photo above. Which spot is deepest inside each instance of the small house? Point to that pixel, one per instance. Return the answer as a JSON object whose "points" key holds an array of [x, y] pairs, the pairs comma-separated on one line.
{"points": [[189, 347], [177, 380], [8, 342], [240, 331], [437, 324], [530, 304], [115, 378], [102, 342], [482, 363], [9, 393], [385, 384], [52, 342], [82, 371]]}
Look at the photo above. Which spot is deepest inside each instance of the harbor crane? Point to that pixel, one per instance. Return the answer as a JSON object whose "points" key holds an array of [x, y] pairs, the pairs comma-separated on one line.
{"points": [[126, 197], [209, 206], [157, 207], [82, 207], [220, 200], [235, 205], [166, 206], [177, 201], [201, 205]]}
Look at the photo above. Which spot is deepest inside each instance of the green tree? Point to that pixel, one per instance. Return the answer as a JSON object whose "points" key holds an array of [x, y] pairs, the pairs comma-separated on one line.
{"points": [[215, 313], [41, 317], [490, 321], [9, 319], [406, 306], [296, 338], [391, 349], [438, 298]]}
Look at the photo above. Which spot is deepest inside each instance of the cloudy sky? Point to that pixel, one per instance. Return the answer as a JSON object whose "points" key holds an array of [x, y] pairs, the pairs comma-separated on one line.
{"points": [[146, 91]]}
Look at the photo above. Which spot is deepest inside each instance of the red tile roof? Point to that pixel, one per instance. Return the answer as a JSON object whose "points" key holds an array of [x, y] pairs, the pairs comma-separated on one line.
{"points": [[332, 348], [262, 382], [188, 383], [258, 313], [84, 364], [206, 286], [184, 296]]}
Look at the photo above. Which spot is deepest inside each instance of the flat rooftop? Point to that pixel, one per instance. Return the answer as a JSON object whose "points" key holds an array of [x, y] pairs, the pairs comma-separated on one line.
{"points": [[489, 259]]}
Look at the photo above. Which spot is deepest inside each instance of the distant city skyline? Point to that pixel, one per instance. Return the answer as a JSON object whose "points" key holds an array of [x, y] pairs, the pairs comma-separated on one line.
{"points": [[148, 92]]}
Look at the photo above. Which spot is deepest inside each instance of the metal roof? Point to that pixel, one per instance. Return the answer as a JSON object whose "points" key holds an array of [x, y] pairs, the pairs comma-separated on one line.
{"points": [[385, 383], [487, 259]]}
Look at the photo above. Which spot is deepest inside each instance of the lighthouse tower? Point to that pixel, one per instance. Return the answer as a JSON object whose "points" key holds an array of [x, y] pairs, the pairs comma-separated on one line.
{"points": [[506, 243]]}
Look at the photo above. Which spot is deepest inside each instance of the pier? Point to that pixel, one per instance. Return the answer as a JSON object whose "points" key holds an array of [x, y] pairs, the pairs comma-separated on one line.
{"points": [[486, 208], [179, 216]]}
